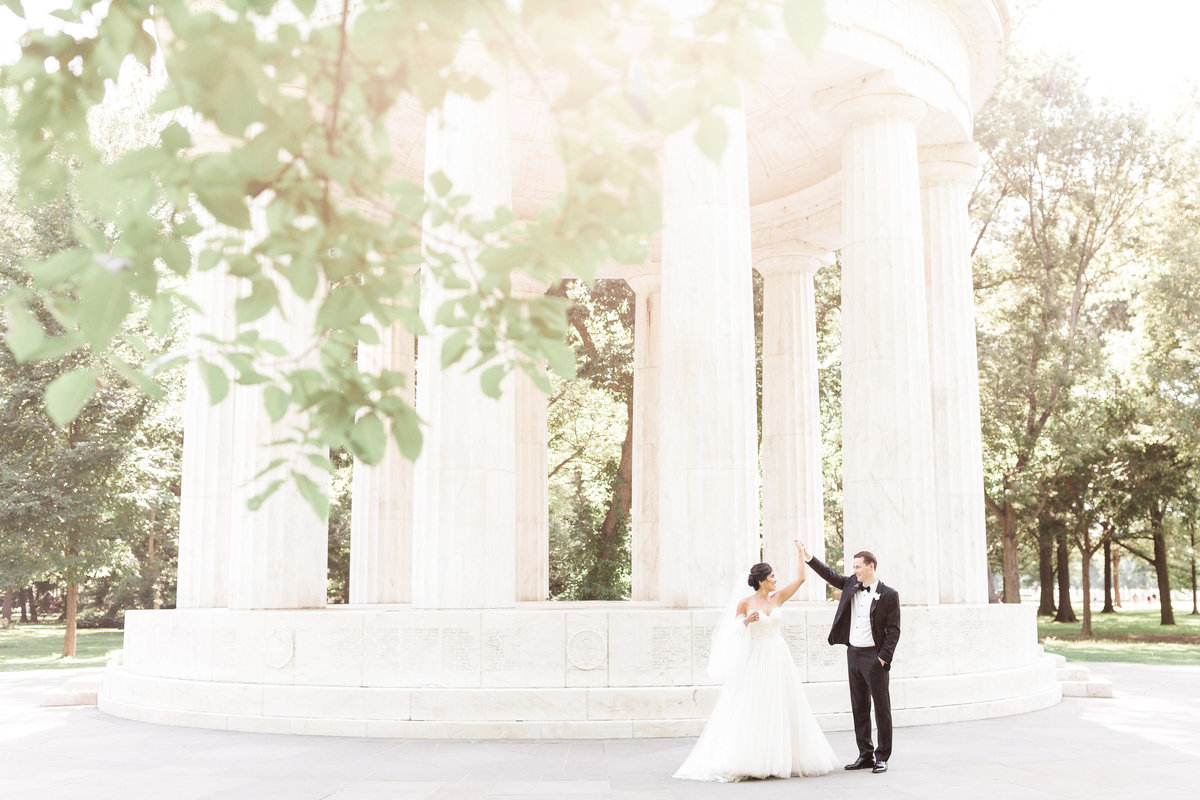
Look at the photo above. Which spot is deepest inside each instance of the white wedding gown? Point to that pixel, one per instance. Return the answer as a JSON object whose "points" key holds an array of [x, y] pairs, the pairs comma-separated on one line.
{"points": [[762, 726]]}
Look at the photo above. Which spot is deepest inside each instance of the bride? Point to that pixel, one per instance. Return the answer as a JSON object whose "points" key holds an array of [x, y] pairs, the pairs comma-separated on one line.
{"points": [[762, 725]]}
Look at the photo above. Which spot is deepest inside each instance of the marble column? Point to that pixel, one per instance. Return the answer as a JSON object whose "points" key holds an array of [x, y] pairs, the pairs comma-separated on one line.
{"points": [[647, 290], [382, 511], [887, 424], [464, 533], [947, 174], [793, 505], [708, 464], [532, 485], [277, 553], [206, 493]]}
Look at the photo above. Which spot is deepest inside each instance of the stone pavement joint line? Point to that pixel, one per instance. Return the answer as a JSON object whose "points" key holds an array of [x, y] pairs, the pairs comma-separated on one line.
{"points": [[1137, 744]]}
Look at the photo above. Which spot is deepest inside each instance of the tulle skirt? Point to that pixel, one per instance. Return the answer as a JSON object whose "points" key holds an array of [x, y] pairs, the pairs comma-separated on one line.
{"points": [[762, 725]]}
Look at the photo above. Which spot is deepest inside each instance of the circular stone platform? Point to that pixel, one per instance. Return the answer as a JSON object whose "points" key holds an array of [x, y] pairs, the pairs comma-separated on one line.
{"points": [[594, 670]]}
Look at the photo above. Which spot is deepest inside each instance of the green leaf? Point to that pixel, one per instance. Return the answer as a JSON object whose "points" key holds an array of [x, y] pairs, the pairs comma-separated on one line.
{"points": [[406, 432], [321, 462], [560, 358], [491, 378], [312, 493], [175, 137], [712, 136], [159, 315], [276, 401], [255, 502], [262, 298], [103, 304], [68, 394], [454, 347], [805, 21], [440, 183], [302, 275], [215, 380], [368, 438], [225, 204], [59, 267], [25, 334]]}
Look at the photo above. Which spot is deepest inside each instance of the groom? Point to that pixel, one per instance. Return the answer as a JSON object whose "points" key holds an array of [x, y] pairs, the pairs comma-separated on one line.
{"points": [[867, 621]]}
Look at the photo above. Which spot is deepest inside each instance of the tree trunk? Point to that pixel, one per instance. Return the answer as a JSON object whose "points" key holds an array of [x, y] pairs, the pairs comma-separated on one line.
{"points": [[24, 601], [1065, 612], [33, 603], [1195, 612], [1086, 631], [1012, 569], [1045, 541], [72, 607], [1108, 577], [611, 533], [8, 607], [1162, 571], [1116, 577]]}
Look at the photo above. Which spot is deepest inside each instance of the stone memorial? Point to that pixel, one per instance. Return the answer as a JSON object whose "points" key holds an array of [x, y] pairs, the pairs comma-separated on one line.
{"points": [[864, 148]]}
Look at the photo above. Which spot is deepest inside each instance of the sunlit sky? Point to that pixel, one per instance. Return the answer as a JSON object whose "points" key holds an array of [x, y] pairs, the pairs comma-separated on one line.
{"points": [[1131, 50], [1144, 51]]}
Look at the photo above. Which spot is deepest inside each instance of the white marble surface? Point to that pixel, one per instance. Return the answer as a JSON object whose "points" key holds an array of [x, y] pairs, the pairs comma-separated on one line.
{"points": [[206, 493], [708, 454], [947, 177], [465, 518], [887, 423], [402, 671], [644, 513], [791, 422], [381, 514], [532, 542]]}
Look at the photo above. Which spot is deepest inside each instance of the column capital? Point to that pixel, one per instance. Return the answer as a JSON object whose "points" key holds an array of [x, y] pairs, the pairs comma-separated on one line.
{"points": [[648, 278], [954, 163], [858, 109], [799, 257]]}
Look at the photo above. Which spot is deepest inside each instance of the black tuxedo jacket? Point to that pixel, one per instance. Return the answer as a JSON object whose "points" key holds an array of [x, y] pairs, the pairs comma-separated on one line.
{"points": [[885, 612]]}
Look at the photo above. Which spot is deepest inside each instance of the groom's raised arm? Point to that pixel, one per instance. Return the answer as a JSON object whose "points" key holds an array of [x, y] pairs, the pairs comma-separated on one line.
{"points": [[831, 577]]}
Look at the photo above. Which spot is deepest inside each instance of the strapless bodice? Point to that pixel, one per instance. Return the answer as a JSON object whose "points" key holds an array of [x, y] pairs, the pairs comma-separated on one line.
{"points": [[768, 625]]}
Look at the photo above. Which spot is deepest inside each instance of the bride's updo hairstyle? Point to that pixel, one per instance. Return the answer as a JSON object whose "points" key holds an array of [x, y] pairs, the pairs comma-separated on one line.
{"points": [[758, 574]]}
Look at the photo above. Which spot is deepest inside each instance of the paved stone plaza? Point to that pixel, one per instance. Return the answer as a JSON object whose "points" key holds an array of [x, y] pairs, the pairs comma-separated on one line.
{"points": [[1143, 742]]}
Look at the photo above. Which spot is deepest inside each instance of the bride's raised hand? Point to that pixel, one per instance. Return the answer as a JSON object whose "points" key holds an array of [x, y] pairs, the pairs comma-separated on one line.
{"points": [[804, 556]]}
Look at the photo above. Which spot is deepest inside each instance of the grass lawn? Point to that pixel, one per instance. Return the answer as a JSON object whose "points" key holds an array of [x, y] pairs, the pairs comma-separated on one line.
{"points": [[1135, 636], [39, 647]]}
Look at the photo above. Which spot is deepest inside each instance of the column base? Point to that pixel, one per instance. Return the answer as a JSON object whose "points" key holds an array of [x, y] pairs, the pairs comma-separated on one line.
{"points": [[545, 671]]}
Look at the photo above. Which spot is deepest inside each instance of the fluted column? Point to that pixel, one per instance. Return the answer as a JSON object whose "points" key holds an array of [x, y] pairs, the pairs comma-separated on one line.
{"points": [[206, 492], [279, 552], [791, 420], [465, 525], [381, 515], [647, 290], [947, 174], [708, 513], [887, 425], [532, 485]]}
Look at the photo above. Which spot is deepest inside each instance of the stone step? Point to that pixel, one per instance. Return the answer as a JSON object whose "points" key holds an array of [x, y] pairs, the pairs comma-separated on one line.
{"points": [[1077, 681], [81, 691], [1093, 687], [1073, 672]]}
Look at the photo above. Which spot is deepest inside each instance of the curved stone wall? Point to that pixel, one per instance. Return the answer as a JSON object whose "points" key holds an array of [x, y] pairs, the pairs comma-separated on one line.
{"points": [[581, 671]]}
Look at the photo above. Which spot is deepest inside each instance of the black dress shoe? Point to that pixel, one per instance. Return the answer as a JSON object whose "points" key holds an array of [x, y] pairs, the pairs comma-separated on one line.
{"points": [[863, 762], [880, 766]]}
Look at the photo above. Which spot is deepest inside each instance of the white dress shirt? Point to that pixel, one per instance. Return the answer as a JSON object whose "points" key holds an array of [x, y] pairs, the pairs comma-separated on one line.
{"points": [[860, 616]]}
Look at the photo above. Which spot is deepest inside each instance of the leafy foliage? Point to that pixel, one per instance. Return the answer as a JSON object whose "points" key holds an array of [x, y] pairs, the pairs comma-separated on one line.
{"points": [[277, 126]]}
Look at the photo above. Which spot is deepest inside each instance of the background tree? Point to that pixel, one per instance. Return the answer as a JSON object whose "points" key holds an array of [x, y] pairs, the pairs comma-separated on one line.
{"points": [[1063, 178]]}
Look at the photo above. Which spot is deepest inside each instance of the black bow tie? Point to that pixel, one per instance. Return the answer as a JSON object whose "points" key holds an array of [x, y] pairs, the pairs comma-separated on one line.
{"points": [[862, 587]]}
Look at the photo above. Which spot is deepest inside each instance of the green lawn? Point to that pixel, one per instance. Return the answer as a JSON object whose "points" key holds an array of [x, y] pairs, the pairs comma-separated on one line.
{"points": [[1130, 636], [39, 647]]}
